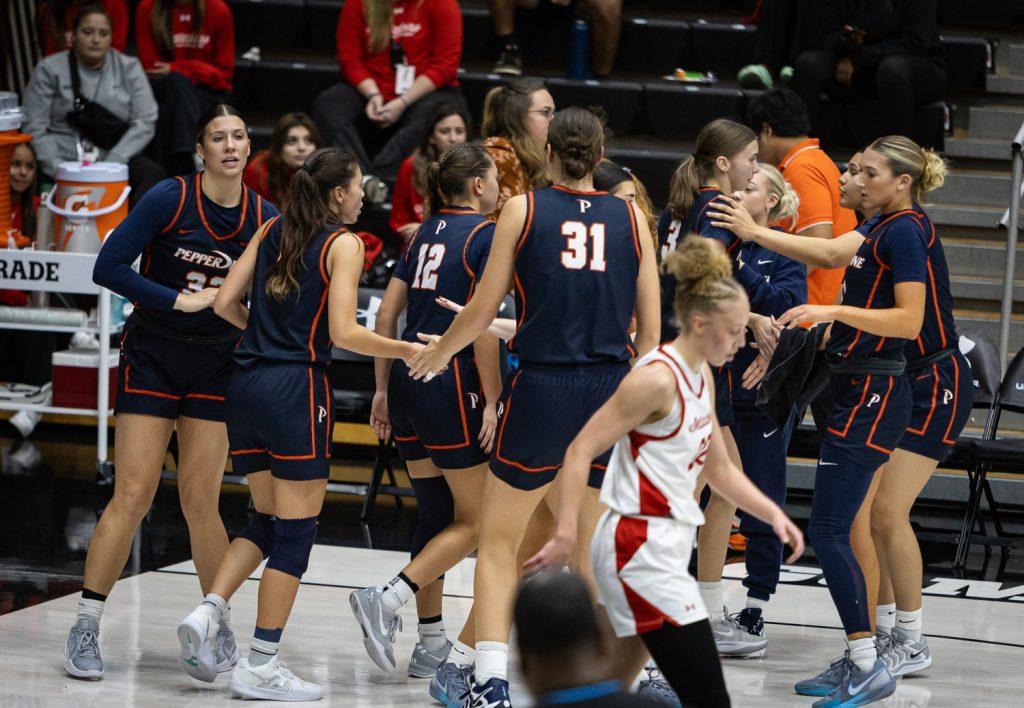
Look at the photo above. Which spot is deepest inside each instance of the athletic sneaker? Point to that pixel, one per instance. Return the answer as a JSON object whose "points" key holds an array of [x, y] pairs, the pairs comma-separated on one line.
{"points": [[510, 61], [657, 688], [425, 663], [733, 639], [379, 625], [450, 685], [828, 680], [82, 651], [860, 687], [197, 635], [225, 651], [493, 694], [272, 682], [905, 656], [755, 76]]}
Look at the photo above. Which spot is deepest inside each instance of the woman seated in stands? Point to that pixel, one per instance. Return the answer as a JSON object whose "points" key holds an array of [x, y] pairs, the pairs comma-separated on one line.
{"points": [[448, 125], [55, 17], [393, 76], [269, 172], [187, 48], [121, 117]]}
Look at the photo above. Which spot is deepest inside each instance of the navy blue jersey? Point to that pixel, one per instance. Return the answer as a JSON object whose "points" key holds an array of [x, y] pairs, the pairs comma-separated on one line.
{"points": [[296, 328], [445, 258], [187, 243], [774, 284], [577, 262], [672, 231], [894, 251]]}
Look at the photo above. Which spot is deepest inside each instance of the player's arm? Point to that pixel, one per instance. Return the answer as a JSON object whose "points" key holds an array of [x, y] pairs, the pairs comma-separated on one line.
{"points": [[816, 253], [228, 303], [903, 320], [479, 312], [645, 395], [729, 481], [396, 299], [500, 327], [345, 261], [487, 351], [648, 290]]}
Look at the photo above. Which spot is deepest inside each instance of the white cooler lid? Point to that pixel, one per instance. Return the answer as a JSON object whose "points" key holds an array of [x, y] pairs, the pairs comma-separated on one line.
{"points": [[92, 172], [85, 358]]}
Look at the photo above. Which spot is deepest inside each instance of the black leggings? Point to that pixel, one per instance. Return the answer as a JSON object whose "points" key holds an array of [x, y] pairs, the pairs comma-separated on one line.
{"points": [[687, 658]]}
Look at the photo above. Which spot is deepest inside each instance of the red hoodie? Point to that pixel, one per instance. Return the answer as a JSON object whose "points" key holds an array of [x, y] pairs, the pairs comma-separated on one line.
{"points": [[206, 58], [429, 31], [117, 10]]}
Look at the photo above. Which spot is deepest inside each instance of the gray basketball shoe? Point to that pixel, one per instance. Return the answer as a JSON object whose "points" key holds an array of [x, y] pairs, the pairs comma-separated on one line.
{"points": [[379, 625], [425, 663], [197, 635], [906, 656], [82, 651], [733, 639], [225, 650], [657, 688]]}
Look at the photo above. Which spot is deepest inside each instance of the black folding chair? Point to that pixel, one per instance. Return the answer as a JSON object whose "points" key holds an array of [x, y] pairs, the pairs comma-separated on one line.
{"points": [[982, 455]]}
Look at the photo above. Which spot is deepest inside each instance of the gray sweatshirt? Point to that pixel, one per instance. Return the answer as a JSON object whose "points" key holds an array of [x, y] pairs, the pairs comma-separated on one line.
{"points": [[120, 86]]}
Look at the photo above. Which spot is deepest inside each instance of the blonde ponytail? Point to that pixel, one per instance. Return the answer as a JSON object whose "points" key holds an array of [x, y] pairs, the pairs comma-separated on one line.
{"points": [[704, 282], [788, 201]]}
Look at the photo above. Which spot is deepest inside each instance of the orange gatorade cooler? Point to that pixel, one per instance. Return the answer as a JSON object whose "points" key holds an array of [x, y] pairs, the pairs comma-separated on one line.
{"points": [[88, 201]]}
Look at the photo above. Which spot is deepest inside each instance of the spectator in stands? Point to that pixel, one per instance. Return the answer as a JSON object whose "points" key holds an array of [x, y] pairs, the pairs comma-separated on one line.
{"points": [[188, 51], [449, 125], [621, 182], [109, 79], [515, 128], [398, 61], [785, 28], [561, 649], [24, 198], [782, 125], [884, 49], [269, 172], [55, 23], [605, 21]]}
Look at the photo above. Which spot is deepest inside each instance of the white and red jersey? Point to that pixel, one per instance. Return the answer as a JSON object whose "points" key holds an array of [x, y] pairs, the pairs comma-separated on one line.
{"points": [[654, 469]]}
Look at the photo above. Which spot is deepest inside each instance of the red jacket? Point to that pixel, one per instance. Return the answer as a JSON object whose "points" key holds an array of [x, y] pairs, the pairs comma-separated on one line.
{"points": [[117, 10], [207, 58], [406, 203], [429, 31]]}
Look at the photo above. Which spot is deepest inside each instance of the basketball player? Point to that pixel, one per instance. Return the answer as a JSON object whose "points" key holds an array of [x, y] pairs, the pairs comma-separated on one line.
{"points": [[662, 416], [724, 160], [174, 369], [883, 310], [444, 429], [302, 272], [581, 263]]}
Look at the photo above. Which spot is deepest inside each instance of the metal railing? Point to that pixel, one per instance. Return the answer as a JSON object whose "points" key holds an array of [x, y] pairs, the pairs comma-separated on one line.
{"points": [[1012, 223]]}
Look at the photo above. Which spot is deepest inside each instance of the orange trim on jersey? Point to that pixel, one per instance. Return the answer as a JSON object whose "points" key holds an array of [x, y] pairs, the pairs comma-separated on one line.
{"points": [[867, 306], [181, 205], [956, 397], [456, 210], [249, 452], [259, 209], [462, 414], [204, 396], [878, 417], [527, 223], [143, 391], [202, 214], [501, 433], [935, 304], [521, 315], [853, 413], [635, 231], [323, 298], [465, 262], [565, 189], [931, 411], [273, 454], [409, 438]]}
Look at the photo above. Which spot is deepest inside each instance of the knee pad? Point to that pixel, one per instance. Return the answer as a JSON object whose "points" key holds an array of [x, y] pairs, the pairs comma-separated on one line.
{"points": [[436, 510], [261, 532], [295, 539]]}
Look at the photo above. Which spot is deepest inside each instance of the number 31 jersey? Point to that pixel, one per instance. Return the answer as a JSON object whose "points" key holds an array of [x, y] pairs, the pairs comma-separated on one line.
{"points": [[445, 258], [577, 262]]}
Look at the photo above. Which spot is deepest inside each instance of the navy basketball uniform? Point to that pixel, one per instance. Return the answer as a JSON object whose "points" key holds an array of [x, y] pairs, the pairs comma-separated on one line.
{"points": [[280, 408], [576, 265], [774, 284], [176, 363], [441, 418], [671, 232]]}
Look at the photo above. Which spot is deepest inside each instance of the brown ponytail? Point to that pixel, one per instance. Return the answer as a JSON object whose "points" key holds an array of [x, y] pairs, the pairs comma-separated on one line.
{"points": [[308, 211], [447, 178], [719, 138]]}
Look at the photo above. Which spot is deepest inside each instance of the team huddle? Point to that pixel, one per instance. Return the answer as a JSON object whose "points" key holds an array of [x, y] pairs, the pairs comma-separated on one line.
{"points": [[639, 352]]}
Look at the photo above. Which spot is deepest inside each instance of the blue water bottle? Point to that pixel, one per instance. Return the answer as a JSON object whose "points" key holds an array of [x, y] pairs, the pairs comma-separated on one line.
{"points": [[579, 49]]}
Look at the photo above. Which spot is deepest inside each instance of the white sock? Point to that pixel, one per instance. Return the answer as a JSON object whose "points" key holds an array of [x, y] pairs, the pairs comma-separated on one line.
{"points": [[396, 593], [885, 617], [91, 608], [863, 652], [756, 602], [910, 623], [261, 651], [432, 635], [220, 604], [491, 661], [711, 594], [462, 655]]}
